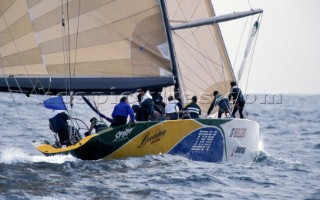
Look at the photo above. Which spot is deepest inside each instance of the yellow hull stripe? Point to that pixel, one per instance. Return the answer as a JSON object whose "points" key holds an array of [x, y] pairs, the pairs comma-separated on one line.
{"points": [[47, 148], [160, 138]]}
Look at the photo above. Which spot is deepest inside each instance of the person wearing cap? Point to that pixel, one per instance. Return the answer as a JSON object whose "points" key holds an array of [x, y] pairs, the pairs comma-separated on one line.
{"points": [[120, 113], [237, 98], [97, 125], [193, 108], [220, 101]]}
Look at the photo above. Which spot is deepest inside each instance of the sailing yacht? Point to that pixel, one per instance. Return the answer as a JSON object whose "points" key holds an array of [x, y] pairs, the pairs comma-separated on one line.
{"points": [[114, 47]]}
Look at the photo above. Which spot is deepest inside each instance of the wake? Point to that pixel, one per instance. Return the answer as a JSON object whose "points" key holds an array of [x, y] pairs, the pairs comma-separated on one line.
{"points": [[14, 155]]}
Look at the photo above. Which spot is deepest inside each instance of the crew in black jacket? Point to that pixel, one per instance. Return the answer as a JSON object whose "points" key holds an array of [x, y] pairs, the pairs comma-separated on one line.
{"points": [[193, 108], [59, 124], [237, 98]]}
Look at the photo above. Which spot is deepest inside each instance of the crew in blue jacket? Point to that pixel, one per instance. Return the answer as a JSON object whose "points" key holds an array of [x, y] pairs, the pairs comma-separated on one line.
{"points": [[120, 113]]}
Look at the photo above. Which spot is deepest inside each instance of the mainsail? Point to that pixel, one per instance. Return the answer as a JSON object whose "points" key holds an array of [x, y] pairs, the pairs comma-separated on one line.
{"points": [[100, 45], [200, 52], [111, 47]]}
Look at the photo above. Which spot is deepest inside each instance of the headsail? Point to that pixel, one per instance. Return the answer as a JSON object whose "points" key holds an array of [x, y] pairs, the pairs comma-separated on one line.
{"points": [[90, 41], [200, 52]]}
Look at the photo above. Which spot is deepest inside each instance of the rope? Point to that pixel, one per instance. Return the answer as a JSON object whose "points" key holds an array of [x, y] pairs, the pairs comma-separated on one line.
{"points": [[20, 57], [221, 62], [253, 51], [23, 123], [249, 4], [64, 44], [76, 45], [250, 65], [12, 97], [184, 42], [67, 57], [244, 28], [251, 57], [69, 53]]}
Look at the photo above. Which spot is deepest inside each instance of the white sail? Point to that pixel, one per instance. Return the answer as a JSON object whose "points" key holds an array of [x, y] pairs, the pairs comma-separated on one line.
{"points": [[247, 51], [200, 52]]}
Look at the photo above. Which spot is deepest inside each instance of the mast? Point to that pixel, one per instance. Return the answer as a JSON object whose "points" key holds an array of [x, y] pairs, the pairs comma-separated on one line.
{"points": [[178, 89]]}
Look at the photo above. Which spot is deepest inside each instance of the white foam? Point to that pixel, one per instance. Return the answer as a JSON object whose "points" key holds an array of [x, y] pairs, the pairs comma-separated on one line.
{"points": [[261, 145], [13, 155]]}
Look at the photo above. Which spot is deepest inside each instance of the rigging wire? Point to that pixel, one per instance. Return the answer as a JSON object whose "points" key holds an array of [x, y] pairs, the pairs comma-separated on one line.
{"points": [[71, 98], [249, 35], [201, 52], [19, 54], [76, 45], [182, 85], [69, 53], [254, 46], [215, 40], [184, 43], [195, 60], [194, 11], [239, 44], [250, 63], [249, 4], [251, 54], [67, 56], [12, 97], [185, 18], [64, 43], [196, 50], [18, 85], [221, 65]]}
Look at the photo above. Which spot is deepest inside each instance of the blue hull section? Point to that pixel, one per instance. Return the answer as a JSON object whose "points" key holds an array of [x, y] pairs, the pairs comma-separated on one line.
{"points": [[204, 144]]}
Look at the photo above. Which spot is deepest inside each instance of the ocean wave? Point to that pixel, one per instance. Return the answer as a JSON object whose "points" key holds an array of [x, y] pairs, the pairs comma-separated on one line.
{"points": [[14, 155], [262, 156], [317, 146], [310, 132]]}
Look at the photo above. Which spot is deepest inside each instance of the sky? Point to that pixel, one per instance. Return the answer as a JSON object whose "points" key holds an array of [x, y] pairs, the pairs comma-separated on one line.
{"points": [[287, 53]]}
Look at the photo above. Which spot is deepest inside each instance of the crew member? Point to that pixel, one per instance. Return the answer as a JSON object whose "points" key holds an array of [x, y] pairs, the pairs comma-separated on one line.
{"points": [[220, 101], [146, 106], [120, 113], [171, 108], [97, 125], [237, 98], [58, 123], [193, 108]]}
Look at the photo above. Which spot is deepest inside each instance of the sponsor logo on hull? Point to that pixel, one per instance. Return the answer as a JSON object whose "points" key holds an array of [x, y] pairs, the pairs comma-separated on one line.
{"points": [[152, 138], [238, 132], [238, 150], [204, 144], [122, 135]]}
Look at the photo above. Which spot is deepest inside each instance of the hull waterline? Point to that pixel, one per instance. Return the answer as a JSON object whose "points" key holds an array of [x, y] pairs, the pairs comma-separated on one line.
{"points": [[211, 140]]}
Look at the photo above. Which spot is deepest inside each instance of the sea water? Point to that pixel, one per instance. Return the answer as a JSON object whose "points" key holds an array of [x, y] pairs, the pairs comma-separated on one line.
{"points": [[288, 167]]}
